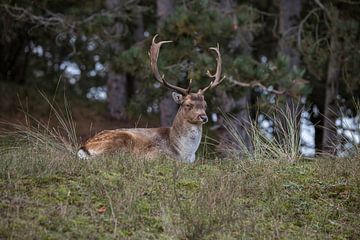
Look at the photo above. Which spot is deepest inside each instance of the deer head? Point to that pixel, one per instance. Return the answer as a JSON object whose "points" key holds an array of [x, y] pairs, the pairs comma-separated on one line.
{"points": [[192, 104]]}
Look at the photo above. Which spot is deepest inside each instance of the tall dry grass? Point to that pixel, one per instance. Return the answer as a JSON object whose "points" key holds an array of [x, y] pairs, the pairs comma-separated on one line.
{"points": [[284, 145], [38, 147]]}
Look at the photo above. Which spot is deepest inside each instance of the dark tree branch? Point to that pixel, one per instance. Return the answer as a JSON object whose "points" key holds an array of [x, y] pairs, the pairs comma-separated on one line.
{"points": [[258, 84]]}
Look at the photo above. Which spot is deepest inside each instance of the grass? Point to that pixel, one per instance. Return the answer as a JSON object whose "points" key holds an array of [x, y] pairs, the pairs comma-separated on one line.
{"points": [[47, 193], [282, 146]]}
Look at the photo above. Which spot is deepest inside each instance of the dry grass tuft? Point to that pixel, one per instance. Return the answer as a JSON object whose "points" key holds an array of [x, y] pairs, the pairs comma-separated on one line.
{"points": [[283, 146], [25, 144]]}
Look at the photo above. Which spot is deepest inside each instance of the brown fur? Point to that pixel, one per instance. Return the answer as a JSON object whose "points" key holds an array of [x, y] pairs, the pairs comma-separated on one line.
{"points": [[180, 141], [126, 140]]}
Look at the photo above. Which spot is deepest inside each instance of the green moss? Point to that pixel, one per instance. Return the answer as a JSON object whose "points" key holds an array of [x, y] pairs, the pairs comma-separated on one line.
{"points": [[160, 199]]}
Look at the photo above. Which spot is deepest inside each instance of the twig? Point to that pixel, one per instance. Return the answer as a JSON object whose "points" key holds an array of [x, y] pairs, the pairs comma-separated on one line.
{"points": [[257, 83], [56, 19], [350, 2], [322, 6], [300, 29]]}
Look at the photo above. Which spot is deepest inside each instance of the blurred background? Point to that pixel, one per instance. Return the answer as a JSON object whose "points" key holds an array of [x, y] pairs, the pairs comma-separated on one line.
{"points": [[298, 55]]}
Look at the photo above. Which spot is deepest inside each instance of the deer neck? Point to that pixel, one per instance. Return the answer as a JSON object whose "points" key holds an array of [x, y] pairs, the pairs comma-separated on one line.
{"points": [[185, 138]]}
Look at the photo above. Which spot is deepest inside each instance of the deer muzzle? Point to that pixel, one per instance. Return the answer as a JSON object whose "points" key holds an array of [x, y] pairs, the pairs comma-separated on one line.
{"points": [[203, 118]]}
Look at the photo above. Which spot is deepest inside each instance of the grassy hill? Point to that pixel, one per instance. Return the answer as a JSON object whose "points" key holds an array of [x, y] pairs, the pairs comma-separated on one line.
{"points": [[47, 194], [270, 193]]}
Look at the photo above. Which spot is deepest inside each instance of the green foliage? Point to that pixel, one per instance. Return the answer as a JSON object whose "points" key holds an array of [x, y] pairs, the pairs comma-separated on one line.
{"points": [[70, 31], [337, 20], [276, 74], [194, 27], [130, 61]]}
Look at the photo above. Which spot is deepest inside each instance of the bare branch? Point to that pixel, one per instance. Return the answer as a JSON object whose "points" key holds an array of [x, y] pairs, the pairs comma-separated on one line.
{"points": [[321, 5], [52, 19], [301, 27], [257, 83], [350, 2], [22, 14]]}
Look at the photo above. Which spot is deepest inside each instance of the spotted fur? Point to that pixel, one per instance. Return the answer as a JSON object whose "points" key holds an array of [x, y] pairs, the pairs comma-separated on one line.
{"points": [[180, 141]]}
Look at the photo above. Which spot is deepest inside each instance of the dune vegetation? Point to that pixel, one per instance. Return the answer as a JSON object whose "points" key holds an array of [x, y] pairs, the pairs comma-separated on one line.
{"points": [[273, 193]]}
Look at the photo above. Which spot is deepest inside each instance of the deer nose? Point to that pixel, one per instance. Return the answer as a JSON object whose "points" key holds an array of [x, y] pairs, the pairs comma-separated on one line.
{"points": [[203, 118]]}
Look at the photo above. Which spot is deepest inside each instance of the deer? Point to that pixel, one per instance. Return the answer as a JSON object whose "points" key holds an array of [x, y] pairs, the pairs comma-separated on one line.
{"points": [[180, 141]]}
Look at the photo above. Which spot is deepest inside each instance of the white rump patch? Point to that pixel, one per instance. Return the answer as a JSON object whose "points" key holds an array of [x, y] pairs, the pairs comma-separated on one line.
{"points": [[82, 154]]}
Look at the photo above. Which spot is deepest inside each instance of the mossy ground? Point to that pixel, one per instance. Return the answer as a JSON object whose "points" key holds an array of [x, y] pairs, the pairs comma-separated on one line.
{"points": [[47, 195]]}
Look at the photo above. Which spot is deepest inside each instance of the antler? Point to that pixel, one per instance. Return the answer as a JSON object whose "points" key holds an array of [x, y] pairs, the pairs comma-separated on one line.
{"points": [[217, 76], [154, 54]]}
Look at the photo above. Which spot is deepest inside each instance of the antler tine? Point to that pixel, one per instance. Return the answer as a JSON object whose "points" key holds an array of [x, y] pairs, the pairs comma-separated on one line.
{"points": [[217, 76], [189, 86], [154, 54]]}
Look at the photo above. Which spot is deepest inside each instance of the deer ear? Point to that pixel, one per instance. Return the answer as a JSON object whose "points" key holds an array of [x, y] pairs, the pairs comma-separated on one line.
{"points": [[178, 98]]}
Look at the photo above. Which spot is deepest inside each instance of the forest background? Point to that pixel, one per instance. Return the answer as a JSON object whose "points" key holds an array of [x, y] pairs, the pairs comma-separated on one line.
{"points": [[299, 55], [279, 157]]}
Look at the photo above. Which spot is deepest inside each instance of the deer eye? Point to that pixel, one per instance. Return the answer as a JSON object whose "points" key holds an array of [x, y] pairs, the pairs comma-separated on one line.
{"points": [[189, 106]]}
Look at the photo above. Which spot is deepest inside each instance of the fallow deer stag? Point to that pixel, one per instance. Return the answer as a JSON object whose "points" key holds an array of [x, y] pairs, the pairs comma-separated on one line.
{"points": [[180, 141]]}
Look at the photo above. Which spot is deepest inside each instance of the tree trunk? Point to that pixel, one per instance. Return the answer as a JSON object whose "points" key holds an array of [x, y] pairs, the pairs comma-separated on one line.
{"points": [[289, 13], [239, 122], [317, 98], [239, 107], [316, 118], [135, 83], [117, 96], [244, 117], [330, 138], [14, 59], [163, 9], [139, 29], [167, 106]]}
